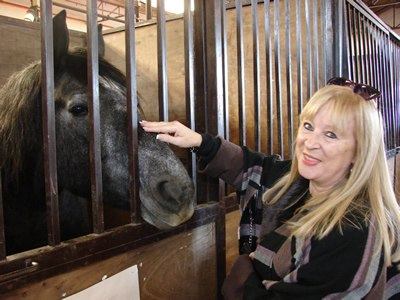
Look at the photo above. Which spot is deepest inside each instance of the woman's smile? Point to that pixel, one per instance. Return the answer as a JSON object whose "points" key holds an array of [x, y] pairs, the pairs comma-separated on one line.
{"points": [[310, 160]]}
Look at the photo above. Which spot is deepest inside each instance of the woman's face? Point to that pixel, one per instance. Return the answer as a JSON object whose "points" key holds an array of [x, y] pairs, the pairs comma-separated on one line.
{"points": [[324, 155]]}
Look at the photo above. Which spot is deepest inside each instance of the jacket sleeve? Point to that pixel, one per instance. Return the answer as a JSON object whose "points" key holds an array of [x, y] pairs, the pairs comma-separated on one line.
{"points": [[227, 164], [334, 267], [239, 166]]}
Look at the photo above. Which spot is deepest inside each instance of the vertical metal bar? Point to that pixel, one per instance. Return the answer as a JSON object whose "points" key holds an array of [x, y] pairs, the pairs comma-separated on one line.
{"points": [[256, 77], [396, 95], [323, 37], [269, 84], [94, 118], [189, 85], [309, 53], [374, 66], [240, 74], [132, 108], [225, 68], [361, 53], [278, 80], [316, 45], [3, 253], [356, 49], [386, 87], [327, 40], [201, 112], [149, 10], [48, 117], [390, 93], [289, 83], [341, 54], [352, 52], [162, 61], [300, 99], [350, 60], [215, 99], [368, 50]]}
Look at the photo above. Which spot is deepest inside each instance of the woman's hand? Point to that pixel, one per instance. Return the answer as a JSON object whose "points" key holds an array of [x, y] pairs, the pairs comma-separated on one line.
{"points": [[182, 136]]}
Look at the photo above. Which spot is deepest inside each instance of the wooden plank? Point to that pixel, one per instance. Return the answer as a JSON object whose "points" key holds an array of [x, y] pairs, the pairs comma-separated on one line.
{"points": [[83, 251]]}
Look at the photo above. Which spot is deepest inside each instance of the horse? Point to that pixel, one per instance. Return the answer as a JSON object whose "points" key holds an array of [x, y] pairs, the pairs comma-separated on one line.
{"points": [[166, 190]]}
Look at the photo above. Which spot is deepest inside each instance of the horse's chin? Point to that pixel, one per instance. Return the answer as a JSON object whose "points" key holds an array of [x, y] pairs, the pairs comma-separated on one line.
{"points": [[163, 219]]}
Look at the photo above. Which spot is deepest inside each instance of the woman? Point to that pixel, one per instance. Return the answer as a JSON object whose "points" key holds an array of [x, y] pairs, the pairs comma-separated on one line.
{"points": [[330, 225]]}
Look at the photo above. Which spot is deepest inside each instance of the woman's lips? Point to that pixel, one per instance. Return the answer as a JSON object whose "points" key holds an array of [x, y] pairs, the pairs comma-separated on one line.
{"points": [[310, 160]]}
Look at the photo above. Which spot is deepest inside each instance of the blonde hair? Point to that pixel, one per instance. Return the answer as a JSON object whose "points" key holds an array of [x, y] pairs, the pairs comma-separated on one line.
{"points": [[367, 190]]}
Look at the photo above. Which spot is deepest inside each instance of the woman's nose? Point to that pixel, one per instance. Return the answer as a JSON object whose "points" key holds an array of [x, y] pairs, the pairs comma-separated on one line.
{"points": [[313, 140]]}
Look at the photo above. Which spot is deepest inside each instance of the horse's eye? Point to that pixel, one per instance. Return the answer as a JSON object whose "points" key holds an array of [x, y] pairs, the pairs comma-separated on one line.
{"points": [[79, 110]]}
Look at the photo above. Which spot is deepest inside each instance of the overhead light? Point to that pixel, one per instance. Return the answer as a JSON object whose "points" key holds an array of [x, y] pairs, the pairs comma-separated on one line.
{"points": [[32, 14]]}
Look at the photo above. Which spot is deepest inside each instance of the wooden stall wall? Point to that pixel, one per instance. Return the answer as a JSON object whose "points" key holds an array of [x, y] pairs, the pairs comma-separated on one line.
{"points": [[20, 45]]}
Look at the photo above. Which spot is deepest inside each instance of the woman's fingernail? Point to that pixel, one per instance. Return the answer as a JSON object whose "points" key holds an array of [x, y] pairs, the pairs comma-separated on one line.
{"points": [[157, 137]]}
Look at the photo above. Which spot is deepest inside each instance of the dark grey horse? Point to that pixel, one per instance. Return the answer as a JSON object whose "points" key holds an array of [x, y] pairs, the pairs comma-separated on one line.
{"points": [[166, 191]]}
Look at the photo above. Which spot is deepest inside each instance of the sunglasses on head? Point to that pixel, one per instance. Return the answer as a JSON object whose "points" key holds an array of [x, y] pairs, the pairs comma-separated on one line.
{"points": [[366, 91]]}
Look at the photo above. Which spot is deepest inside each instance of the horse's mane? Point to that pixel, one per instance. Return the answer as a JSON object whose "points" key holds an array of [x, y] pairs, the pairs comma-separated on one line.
{"points": [[20, 109], [19, 114]]}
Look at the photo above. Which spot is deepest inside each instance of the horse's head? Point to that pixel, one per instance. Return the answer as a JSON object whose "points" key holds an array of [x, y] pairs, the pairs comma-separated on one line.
{"points": [[166, 191]]}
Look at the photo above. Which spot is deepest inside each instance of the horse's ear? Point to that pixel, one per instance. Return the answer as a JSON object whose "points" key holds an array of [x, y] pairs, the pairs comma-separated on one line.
{"points": [[60, 37], [101, 40]]}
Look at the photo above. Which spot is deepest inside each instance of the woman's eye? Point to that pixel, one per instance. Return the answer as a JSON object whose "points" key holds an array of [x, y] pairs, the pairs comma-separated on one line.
{"points": [[79, 110], [331, 135], [307, 126]]}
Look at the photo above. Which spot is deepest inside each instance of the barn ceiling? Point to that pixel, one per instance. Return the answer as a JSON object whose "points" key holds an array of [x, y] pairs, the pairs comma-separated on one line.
{"points": [[111, 12]]}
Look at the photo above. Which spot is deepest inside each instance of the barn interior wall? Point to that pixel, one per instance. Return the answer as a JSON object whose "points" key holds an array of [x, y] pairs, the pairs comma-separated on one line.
{"points": [[191, 254], [146, 68], [20, 45]]}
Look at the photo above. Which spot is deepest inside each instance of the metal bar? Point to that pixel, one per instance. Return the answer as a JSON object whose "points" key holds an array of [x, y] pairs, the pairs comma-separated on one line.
{"points": [[278, 80], [309, 54], [361, 48], [323, 37], [256, 77], [352, 52], [132, 108], [386, 88], [240, 73], [390, 101], [162, 61], [94, 118], [189, 85], [341, 50], [357, 48], [300, 100], [269, 84], [374, 62], [149, 10], [316, 45], [225, 68], [368, 50], [3, 253], [48, 119], [215, 101], [289, 83], [396, 95], [384, 5]]}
